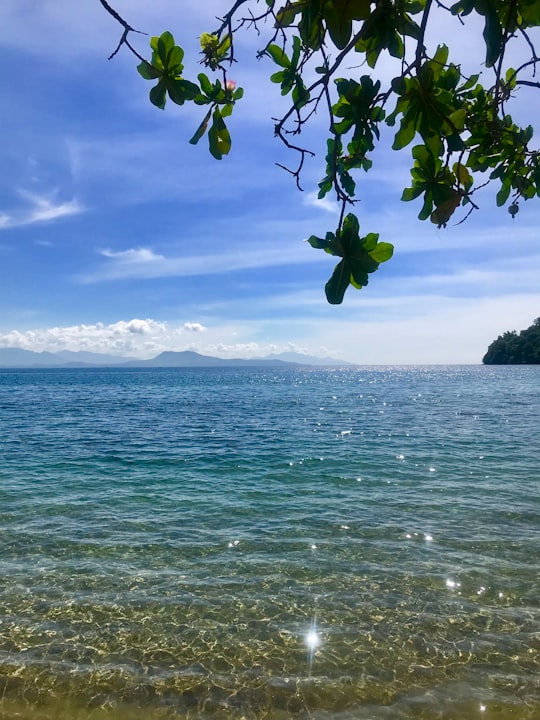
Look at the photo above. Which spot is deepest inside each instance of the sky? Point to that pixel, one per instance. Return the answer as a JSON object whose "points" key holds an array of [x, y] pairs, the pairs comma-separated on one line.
{"points": [[118, 236]]}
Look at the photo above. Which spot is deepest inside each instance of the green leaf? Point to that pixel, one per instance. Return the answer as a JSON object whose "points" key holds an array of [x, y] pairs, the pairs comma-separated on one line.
{"points": [[463, 7], [362, 262], [396, 47], [191, 89], [278, 55], [349, 233], [156, 60], [493, 34], [310, 26], [339, 26], [224, 46], [529, 13], [411, 193], [278, 77], [347, 183], [399, 85], [300, 94], [457, 118], [175, 91], [318, 243], [181, 90], [218, 136], [325, 186], [297, 48], [286, 15], [439, 61], [165, 44], [435, 144], [470, 83], [382, 252], [201, 129], [174, 64], [358, 277], [463, 175], [455, 143], [427, 207], [339, 282], [502, 195], [404, 135], [148, 71], [536, 177], [157, 94], [206, 85], [370, 241]]}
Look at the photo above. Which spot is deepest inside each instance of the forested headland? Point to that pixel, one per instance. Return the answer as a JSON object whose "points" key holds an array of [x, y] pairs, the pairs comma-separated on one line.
{"points": [[515, 349]]}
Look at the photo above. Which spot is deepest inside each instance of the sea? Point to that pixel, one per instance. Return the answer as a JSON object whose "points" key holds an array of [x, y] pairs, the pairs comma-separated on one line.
{"points": [[261, 543]]}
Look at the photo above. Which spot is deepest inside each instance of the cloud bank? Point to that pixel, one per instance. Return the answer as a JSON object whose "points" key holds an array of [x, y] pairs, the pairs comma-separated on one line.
{"points": [[140, 338]]}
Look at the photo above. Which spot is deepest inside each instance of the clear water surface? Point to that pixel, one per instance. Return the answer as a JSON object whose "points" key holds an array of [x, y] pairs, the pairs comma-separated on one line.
{"points": [[247, 543]]}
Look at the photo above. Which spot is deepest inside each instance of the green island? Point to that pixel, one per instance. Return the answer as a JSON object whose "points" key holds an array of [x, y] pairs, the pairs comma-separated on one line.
{"points": [[515, 349]]}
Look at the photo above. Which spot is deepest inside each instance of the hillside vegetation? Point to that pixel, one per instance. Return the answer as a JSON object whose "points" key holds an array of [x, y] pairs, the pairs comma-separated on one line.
{"points": [[515, 349]]}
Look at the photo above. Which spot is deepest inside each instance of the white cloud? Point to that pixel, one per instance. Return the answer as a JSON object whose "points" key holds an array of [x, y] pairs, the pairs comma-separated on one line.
{"points": [[239, 350], [117, 338], [42, 209], [326, 203], [136, 327], [45, 209], [144, 338], [145, 263], [137, 337], [133, 255]]}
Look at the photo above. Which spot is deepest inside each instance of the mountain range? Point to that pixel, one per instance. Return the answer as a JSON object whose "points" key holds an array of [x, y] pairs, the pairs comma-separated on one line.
{"points": [[19, 358]]}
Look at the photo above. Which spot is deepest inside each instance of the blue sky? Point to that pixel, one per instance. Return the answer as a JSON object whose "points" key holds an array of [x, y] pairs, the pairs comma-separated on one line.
{"points": [[118, 236]]}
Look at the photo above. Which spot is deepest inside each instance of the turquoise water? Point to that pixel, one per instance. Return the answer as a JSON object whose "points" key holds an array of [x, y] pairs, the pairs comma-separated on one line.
{"points": [[270, 544]]}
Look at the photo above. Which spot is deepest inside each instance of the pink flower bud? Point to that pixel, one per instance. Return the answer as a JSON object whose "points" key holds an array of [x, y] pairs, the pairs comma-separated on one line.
{"points": [[230, 85]]}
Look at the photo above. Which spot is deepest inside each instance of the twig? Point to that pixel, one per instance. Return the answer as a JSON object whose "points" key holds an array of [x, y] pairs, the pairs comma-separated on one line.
{"points": [[127, 29]]}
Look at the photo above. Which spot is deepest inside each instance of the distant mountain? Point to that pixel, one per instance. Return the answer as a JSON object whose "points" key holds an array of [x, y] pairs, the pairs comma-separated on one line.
{"points": [[302, 359], [189, 358], [89, 358], [17, 358]]}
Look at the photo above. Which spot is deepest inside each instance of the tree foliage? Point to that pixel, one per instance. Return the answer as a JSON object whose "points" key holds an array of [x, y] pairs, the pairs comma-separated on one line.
{"points": [[514, 349], [459, 130]]}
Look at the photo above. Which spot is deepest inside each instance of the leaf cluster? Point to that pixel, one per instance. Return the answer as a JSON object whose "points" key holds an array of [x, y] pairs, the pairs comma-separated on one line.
{"points": [[459, 127], [360, 256], [166, 67]]}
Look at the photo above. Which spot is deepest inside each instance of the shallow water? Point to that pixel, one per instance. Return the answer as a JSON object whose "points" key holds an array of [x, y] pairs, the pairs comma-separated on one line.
{"points": [[270, 544]]}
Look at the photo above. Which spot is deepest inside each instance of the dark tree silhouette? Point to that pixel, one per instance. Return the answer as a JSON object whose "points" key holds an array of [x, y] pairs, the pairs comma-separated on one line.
{"points": [[514, 349]]}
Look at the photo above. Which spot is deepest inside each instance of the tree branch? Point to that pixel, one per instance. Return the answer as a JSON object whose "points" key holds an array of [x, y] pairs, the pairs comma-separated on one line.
{"points": [[127, 29]]}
